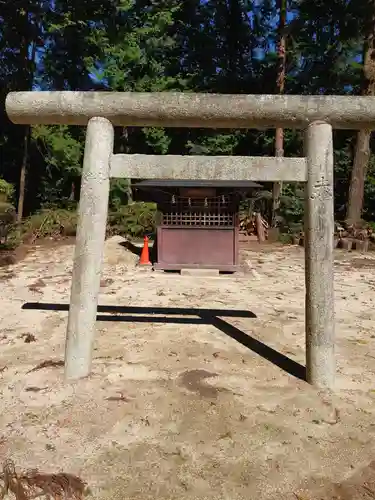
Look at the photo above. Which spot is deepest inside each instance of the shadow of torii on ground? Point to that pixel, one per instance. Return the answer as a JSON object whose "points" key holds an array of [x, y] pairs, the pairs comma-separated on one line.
{"points": [[174, 315]]}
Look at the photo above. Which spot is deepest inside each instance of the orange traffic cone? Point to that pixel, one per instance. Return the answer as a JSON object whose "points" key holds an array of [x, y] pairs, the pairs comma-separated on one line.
{"points": [[145, 257]]}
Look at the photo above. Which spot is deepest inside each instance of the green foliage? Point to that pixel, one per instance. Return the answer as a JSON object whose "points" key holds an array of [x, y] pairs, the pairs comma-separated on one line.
{"points": [[7, 215], [7, 225], [137, 219], [120, 193], [12, 242], [226, 46], [291, 212], [157, 140], [286, 238], [216, 144], [258, 203], [291, 208], [136, 46], [50, 222], [6, 190], [62, 150]]}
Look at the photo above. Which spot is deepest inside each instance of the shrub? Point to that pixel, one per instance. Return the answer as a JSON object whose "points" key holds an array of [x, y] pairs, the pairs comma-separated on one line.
{"points": [[7, 215], [6, 191], [50, 222], [7, 220], [136, 219]]}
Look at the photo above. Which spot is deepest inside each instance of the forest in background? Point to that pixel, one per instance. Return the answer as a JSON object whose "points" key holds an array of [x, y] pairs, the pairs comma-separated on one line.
{"points": [[221, 46]]}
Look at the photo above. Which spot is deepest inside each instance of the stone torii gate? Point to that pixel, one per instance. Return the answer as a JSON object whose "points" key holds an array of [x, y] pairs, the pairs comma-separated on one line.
{"points": [[101, 111]]}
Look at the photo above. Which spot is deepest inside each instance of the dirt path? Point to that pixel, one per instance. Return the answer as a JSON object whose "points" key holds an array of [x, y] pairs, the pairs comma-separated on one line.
{"points": [[190, 407]]}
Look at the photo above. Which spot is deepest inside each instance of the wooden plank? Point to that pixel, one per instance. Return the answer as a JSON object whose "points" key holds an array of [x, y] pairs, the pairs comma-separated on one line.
{"points": [[226, 168]]}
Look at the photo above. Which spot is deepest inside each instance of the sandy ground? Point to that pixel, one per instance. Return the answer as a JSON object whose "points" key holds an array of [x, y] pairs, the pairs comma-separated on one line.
{"points": [[184, 406]]}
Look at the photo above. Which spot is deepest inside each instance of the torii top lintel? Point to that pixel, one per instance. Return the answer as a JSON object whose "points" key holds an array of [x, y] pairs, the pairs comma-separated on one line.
{"points": [[173, 109]]}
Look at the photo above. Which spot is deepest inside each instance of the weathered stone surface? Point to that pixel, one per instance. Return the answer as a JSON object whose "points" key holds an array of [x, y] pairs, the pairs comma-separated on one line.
{"points": [[171, 109], [93, 209], [243, 168], [319, 231]]}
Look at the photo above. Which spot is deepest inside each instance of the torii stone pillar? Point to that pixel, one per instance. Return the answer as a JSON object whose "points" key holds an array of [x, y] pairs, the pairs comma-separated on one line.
{"points": [[319, 231], [91, 229], [101, 110]]}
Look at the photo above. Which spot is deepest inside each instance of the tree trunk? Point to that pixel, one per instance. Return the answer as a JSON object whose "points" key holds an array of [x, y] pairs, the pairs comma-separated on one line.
{"points": [[29, 62], [279, 138], [357, 181], [362, 150], [124, 148], [72, 195], [129, 191], [21, 196]]}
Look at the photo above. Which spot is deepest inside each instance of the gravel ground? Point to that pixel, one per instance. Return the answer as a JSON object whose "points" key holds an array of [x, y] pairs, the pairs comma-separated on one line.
{"points": [[184, 404]]}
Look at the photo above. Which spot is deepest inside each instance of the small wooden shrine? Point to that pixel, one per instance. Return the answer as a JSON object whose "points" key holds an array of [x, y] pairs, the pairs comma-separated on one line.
{"points": [[198, 222]]}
